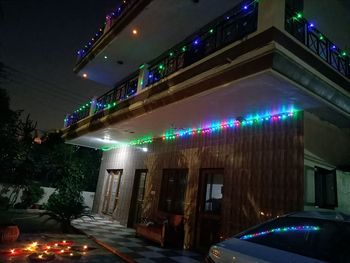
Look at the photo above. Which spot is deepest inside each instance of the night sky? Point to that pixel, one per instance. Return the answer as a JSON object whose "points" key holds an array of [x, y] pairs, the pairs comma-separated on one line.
{"points": [[38, 44]]}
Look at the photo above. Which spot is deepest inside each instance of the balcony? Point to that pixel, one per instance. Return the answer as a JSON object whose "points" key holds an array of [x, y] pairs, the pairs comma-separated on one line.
{"points": [[282, 56], [228, 28]]}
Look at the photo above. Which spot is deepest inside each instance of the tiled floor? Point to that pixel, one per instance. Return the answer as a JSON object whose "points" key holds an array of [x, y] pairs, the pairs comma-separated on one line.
{"points": [[123, 240]]}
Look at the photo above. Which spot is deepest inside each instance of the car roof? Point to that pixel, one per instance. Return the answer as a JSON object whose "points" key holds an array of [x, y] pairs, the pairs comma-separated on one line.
{"points": [[326, 215]]}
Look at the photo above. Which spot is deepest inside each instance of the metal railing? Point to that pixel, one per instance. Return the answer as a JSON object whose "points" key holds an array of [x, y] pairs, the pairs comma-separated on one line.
{"points": [[306, 33], [228, 28], [111, 19]]}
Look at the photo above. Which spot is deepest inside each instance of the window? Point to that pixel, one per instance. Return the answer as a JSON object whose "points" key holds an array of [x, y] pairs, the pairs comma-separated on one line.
{"points": [[325, 188], [213, 194], [172, 194]]}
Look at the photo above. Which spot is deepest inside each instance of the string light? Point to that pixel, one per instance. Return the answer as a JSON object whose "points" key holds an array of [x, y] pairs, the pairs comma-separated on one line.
{"points": [[281, 230], [214, 127]]}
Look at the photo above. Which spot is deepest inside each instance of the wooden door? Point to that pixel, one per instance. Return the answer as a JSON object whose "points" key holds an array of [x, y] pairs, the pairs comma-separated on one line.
{"points": [[209, 207], [137, 198], [111, 191]]}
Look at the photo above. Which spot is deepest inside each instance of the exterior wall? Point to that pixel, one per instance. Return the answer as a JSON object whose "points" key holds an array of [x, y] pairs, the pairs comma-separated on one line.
{"points": [[326, 146], [263, 173], [128, 159]]}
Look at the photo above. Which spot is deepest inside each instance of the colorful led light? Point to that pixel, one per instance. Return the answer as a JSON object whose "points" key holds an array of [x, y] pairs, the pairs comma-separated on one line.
{"points": [[281, 230], [215, 126]]}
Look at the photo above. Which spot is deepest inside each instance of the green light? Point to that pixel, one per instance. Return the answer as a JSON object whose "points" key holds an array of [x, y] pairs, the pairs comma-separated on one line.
{"points": [[211, 31], [321, 37], [343, 53], [171, 54], [161, 67], [142, 66], [299, 15], [87, 105], [114, 103], [183, 48]]}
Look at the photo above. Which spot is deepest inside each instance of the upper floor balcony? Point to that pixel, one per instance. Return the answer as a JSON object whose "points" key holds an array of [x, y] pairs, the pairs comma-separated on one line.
{"points": [[155, 46]]}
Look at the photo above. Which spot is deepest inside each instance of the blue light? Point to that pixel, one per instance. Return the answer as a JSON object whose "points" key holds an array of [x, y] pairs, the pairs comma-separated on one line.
{"points": [[245, 7], [196, 42], [150, 76]]}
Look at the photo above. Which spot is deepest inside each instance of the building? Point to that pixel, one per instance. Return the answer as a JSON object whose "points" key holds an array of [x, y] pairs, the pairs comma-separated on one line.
{"points": [[228, 113]]}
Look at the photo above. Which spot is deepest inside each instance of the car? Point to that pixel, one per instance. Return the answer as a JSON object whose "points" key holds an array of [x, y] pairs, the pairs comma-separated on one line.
{"points": [[308, 236]]}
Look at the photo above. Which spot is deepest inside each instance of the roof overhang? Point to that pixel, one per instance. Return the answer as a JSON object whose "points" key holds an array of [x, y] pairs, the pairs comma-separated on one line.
{"points": [[119, 52]]}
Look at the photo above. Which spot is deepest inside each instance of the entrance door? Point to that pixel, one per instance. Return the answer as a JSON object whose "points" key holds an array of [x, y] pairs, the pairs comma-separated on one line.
{"points": [[112, 191], [209, 204], [138, 194]]}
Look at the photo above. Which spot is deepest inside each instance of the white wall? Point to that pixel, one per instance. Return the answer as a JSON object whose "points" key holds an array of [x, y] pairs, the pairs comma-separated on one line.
{"points": [[88, 196], [326, 146]]}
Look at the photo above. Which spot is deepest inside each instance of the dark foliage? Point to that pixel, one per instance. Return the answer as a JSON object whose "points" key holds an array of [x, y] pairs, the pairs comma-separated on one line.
{"points": [[66, 203], [32, 193]]}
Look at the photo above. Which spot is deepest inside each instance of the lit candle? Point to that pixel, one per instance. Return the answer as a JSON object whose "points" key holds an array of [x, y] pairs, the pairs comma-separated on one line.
{"points": [[56, 245], [85, 247], [12, 251], [62, 251], [48, 247], [71, 254], [40, 256], [64, 241]]}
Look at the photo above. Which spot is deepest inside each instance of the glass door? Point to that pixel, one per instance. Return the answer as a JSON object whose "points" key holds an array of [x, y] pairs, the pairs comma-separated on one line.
{"points": [[137, 198], [209, 207], [111, 191]]}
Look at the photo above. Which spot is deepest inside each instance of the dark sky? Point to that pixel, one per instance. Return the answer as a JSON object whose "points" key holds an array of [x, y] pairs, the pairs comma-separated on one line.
{"points": [[38, 44]]}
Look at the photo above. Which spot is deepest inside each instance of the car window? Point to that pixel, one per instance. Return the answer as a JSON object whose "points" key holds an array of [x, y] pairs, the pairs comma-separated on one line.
{"points": [[320, 239]]}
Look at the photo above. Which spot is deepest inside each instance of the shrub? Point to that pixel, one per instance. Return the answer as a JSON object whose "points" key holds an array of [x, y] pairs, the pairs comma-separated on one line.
{"points": [[66, 203], [32, 193]]}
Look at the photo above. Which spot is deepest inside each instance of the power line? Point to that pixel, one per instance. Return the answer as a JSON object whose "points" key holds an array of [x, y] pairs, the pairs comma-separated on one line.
{"points": [[43, 81]]}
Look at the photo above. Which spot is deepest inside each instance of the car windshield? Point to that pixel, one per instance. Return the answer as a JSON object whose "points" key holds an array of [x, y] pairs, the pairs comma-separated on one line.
{"points": [[316, 238]]}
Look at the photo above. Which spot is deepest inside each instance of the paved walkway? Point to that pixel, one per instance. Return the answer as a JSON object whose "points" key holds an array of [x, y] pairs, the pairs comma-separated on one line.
{"points": [[122, 241]]}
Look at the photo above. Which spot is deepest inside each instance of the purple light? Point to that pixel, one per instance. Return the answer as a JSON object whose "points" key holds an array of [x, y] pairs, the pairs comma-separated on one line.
{"points": [[216, 126], [281, 230], [227, 17], [334, 47]]}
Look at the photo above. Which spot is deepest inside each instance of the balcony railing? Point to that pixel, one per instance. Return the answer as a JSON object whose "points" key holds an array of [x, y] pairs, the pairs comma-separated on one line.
{"points": [[306, 33], [111, 19], [228, 28], [232, 26]]}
